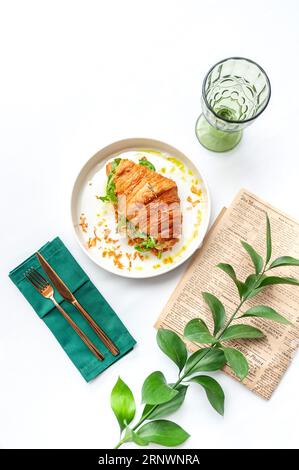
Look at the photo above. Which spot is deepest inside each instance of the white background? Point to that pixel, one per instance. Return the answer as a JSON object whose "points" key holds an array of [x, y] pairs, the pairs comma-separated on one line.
{"points": [[76, 76]]}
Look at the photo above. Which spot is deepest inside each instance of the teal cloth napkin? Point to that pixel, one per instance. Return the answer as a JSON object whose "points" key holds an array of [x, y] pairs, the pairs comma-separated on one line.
{"points": [[59, 257]]}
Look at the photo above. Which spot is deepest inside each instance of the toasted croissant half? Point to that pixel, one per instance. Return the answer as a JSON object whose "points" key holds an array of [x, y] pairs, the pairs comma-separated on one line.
{"points": [[148, 206]]}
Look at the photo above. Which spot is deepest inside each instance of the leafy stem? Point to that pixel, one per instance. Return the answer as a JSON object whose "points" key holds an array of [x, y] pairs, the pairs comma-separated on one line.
{"points": [[119, 444], [161, 398], [189, 371]]}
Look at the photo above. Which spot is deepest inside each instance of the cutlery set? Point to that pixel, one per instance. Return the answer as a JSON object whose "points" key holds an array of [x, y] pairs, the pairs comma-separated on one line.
{"points": [[46, 289]]}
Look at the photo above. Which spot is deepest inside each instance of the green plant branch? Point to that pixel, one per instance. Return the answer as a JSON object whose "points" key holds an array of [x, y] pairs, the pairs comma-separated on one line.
{"points": [[231, 319], [121, 442], [172, 345]]}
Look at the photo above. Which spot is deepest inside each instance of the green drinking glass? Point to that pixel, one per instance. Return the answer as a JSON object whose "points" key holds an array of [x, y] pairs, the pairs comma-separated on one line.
{"points": [[235, 92]]}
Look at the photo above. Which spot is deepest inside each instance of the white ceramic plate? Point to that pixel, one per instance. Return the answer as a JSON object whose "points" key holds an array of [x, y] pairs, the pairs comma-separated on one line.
{"points": [[94, 221]]}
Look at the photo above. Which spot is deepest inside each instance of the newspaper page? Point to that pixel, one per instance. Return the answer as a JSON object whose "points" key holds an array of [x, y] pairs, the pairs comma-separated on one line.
{"points": [[268, 357]]}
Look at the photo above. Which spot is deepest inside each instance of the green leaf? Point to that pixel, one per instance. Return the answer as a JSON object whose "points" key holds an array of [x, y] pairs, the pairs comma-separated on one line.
{"points": [[172, 345], [237, 361], [213, 390], [241, 331], [255, 257], [271, 280], [195, 357], [115, 163], [284, 261], [163, 432], [165, 409], [121, 223], [206, 359], [134, 232], [217, 310], [155, 389], [268, 239], [132, 436], [145, 162], [229, 270], [266, 312], [122, 403], [196, 330]]}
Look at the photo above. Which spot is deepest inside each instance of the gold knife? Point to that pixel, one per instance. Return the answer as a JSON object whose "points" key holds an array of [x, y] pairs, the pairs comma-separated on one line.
{"points": [[65, 292]]}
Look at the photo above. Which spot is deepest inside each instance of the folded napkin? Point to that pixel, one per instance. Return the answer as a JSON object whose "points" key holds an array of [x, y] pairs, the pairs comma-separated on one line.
{"points": [[61, 260]]}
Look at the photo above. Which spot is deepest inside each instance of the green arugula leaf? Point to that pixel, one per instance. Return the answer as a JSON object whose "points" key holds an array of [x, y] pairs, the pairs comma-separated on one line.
{"points": [[105, 198], [122, 403], [268, 239], [266, 312], [163, 432], [155, 389], [237, 361], [251, 286], [195, 357], [196, 330], [284, 261], [161, 398], [172, 345], [250, 282], [255, 257], [241, 331], [147, 242], [110, 195], [271, 280], [145, 162], [205, 359], [217, 310], [121, 223], [229, 270], [213, 390], [165, 409]]}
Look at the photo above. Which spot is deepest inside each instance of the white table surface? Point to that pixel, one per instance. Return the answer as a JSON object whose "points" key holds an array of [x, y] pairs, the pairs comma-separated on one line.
{"points": [[76, 76]]}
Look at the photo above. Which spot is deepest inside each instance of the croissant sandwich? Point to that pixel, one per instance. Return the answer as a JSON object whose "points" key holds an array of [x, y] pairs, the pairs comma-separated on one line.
{"points": [[146, 205]]}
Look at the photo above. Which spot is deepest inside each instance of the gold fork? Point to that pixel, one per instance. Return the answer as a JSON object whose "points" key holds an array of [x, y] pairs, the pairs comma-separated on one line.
{"points": [[47, 291]]}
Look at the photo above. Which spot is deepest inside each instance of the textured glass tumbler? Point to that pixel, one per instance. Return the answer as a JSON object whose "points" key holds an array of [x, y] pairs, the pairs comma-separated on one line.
{"points": [[235, 92]]}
